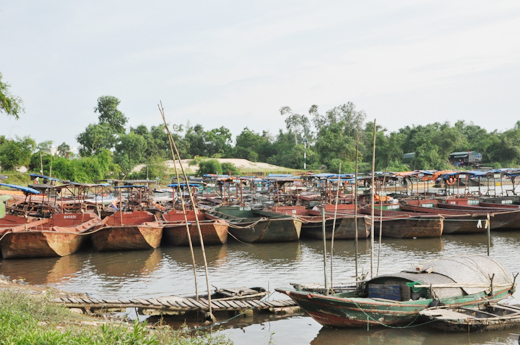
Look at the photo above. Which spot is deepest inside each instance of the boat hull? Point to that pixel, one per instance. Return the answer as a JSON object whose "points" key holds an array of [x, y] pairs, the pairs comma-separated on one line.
{"points": [[345, 226], [58, 236], [338, 312], [410, 227], [214, 232], [32, 244], [270, 230], [130, 237]]}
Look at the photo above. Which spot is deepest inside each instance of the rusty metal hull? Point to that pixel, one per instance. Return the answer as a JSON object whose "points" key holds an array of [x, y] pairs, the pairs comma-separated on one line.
{"points": [[128, 237], [270, 230], [34, 244], [409, 227], [454, 222], [214, 232], [59, 236], [345, 226]]}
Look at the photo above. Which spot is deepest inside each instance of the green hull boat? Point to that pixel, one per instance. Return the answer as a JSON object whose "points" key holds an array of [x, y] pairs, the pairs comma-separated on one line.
{"points": [[396, 300]]}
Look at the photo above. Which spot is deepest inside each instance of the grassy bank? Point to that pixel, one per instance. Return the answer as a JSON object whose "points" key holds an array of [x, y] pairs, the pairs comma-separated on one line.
{"points": [[31, 319]]}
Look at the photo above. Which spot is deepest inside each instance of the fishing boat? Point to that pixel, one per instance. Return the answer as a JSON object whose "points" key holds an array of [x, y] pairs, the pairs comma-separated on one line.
{"points": [[312, 222], [501, 218], [258, 226], [127, 231], [60, 235], [214, 231], [455, 222], [396, 299], [398, 224], [488, 317]]}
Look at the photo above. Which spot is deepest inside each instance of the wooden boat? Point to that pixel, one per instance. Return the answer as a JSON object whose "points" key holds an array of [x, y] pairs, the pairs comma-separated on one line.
{"points": [[312, 222], [189, 307], [127, 231], [488, 317], [455, 222], [258, 226], [500, 218], [397, 224], [60, 235], [214, 231], [396, 299]]}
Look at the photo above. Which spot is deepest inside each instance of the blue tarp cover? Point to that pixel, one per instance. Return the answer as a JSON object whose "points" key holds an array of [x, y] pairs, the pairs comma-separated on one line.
{"points": [[44, 177], [22, 188], [184, 185]]}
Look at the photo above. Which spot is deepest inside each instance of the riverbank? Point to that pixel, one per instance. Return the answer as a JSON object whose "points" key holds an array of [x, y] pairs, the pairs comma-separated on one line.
{"points": [[27, 316]]}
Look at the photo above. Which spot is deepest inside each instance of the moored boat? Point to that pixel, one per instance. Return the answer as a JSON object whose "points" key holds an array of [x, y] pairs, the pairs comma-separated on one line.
{"points": [[214, 231], [455, 222], [312, 222], [488, 317], [399, 224], [258, 226], [60, 235], [397, 299], [127, 231]]}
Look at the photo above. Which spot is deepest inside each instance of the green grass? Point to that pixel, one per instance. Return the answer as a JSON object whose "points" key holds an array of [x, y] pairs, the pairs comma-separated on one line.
{"points": [[15, 177], [32, 319]]}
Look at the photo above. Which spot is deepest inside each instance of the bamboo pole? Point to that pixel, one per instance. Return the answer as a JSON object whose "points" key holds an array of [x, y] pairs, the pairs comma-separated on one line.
{"points": [[194, 205], [356, 245], [183, 206], [372, 206], [334, 227], [381, 221], [488, 223], [324, 250]]}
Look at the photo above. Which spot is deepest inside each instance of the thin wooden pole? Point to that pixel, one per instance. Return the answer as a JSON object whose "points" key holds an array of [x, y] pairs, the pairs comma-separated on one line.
{"points": [[488, 223], [324, 250], [196, 215], [334, 227], [356, 245], [381, 220], [372, 206], [183, 208]]}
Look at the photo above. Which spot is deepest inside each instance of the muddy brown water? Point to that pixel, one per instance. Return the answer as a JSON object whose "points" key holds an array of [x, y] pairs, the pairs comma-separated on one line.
{"points": [[168, 271]]}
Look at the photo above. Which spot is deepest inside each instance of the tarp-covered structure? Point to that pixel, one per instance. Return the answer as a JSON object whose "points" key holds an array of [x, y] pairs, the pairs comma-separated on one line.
{"points": [[472, 273]]}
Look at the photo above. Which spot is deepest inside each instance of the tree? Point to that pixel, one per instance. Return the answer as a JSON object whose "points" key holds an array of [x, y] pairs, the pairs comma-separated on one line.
{"points": [[64, 150], [9, 104], [16, 153], [130, 151], [209, 166], [109, 114], [96, 138]]}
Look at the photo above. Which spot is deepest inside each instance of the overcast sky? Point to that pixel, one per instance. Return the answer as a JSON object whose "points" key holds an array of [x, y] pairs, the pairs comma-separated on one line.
{"points": [[235, 63]]}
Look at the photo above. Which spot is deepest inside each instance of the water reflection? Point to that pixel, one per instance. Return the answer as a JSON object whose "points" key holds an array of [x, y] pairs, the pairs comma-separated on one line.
{"points": [[168, 271]]}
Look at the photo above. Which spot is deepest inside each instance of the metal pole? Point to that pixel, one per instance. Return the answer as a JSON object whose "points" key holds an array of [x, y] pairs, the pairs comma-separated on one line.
{"points": [[324, 250], [372, 206]]}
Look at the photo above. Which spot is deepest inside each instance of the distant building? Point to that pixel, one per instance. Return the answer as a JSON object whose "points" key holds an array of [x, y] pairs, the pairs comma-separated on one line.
{"points": [[407, 157], [465, 158]]}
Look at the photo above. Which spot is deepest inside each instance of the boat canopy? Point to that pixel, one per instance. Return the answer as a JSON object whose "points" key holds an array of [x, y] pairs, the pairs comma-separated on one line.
{"points": [[183, 185], [470, 270], [21, 188], [45, 177]]}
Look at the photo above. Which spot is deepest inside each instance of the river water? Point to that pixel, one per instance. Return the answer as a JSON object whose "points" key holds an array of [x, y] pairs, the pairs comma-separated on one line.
{"points": [[169, 271]]}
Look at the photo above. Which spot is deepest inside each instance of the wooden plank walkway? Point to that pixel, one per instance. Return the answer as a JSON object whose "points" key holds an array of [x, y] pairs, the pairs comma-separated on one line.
{"points": [[173, 304]]}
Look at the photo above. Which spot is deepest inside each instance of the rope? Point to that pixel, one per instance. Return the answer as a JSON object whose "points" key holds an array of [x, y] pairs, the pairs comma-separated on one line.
{"points": [[252, 225], [410, 325]]}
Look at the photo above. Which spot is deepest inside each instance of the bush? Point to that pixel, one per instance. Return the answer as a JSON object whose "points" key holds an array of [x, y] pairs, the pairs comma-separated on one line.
{"points": [[210, 166], [230, 168]]}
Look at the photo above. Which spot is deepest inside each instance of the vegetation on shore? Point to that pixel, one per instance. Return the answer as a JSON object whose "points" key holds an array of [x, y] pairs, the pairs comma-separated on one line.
{"points": [[109, 150], [31, 319]]}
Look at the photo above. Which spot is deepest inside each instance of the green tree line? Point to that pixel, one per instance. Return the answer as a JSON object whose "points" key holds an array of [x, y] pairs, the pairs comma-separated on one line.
{"points": [[109, 149]]}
